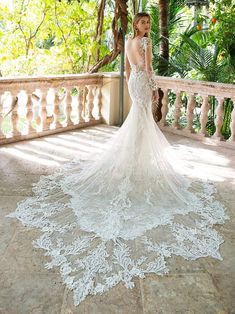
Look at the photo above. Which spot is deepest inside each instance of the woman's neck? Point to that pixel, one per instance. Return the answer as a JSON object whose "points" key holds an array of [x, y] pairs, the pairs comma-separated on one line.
{"points": [[140, 35]]}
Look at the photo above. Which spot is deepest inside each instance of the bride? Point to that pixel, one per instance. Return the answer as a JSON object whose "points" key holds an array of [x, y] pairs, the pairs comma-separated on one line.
{"points": [[126, 213]]}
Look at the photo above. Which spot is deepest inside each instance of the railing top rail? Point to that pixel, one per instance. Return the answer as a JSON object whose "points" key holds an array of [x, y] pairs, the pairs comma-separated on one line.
{"points": [[49, 77], [50, 81], [175, 84], [194, 86]]}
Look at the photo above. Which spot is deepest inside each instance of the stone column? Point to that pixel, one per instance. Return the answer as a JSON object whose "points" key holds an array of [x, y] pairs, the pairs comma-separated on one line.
{"points": [[90, 102], [219, 118], [43, 103], [232, 123], [204, 115], [15, 116], [56, 111], [99, 104], [68, 104], [190, 113], [177, 112], [29, 114], [2, 135], [80, 104], [164, 109]]}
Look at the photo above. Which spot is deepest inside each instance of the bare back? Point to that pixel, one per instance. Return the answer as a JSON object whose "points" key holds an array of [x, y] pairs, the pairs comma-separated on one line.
{"points": [[138, 54], [135, 52]]}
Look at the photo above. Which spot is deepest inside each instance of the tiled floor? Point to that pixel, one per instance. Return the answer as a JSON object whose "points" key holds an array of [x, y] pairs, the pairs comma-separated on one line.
{"points": [[203, 286]]}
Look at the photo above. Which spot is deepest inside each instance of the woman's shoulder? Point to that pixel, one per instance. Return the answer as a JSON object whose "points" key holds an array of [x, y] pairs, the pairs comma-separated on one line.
{"points": [[128, 37], [143, 42], [146, 41]]}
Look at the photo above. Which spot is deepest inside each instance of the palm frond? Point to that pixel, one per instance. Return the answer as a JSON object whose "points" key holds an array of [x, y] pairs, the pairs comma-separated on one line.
{"points": [[203, 59]]}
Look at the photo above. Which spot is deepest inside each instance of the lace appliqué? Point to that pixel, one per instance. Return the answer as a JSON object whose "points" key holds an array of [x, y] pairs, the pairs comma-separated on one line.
{"points": [[145, 43], [94, 259], [152, 81]]}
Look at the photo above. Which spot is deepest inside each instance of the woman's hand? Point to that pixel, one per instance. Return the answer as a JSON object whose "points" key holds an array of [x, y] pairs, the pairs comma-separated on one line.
{"points": [[155, 96]]}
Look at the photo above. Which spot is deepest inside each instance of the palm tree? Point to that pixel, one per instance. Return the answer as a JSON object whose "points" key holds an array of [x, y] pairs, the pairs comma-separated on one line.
{"points": [[164, 35]]}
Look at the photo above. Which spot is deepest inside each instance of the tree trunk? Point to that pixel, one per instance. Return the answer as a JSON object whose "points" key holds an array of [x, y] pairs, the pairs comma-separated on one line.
{"points": [[163, 6], [134, 7], [98, 33], [164, 36], [120, 14], [99, 27]]}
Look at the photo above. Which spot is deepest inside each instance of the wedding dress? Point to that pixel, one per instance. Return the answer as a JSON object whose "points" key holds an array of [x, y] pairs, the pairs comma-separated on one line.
{"points": [[125, 214]]}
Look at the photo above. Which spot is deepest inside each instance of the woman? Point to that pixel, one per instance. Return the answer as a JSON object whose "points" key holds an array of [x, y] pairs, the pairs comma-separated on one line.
{"points": [[125, 214]]}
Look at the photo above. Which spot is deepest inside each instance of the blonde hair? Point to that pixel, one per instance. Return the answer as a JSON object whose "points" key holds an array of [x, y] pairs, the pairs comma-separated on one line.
{"points": [[135, 20]]}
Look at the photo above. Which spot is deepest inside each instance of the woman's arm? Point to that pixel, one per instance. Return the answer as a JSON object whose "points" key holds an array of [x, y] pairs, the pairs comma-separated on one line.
{"points": [[127, 68], [148, 63], [148, 56]]}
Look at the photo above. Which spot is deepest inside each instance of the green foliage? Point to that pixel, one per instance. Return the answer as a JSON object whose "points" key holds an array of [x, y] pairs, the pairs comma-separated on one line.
{"points": [[207, 54], [203, 51], [203, 60], [49, 36], [176, 20]]}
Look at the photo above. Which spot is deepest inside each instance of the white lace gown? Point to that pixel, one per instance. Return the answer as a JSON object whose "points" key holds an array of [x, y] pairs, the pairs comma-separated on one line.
{"points": [[125, 214]]}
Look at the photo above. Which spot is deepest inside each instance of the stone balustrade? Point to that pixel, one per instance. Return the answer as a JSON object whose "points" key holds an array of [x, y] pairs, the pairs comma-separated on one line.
{"points": [[36, 106], [197, 92]]}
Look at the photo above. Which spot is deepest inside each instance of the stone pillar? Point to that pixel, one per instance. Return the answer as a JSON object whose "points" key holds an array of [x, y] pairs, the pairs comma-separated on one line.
{"points": [[43, 103], [56, 111], [190, 113], [219, 118], [29, 114], [2, 135], [99, 104], [164, 109], [232, 123], [177, 111], [68, 104], [80, 104], [90, 102], [15, 116], [204, 115]]}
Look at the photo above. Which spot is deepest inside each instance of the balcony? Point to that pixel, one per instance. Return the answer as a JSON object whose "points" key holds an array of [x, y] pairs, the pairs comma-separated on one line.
{"points": [[42, 112], [38, 106]]}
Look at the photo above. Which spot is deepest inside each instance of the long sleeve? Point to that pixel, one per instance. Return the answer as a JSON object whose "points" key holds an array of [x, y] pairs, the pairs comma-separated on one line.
{"points": [[147, 45]]}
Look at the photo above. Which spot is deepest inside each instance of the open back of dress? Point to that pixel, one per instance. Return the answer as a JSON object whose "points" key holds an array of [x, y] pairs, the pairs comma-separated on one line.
{"points": [[135, 52]]}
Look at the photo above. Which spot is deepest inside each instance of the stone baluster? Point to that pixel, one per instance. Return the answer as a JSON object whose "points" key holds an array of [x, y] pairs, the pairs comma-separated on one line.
{"points": [[190, 113], [219, 118], [99, 104], [29, 114], [90, 103], [15, 115], [232, 123], [164, 109], [80, 104], [56, 112], [204, 115], [68, 104], [37, 114], [177, 111], [1, 118], [43, 112]]}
